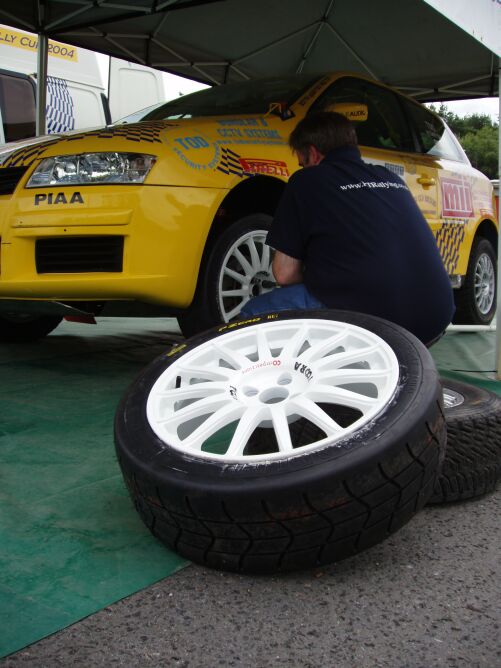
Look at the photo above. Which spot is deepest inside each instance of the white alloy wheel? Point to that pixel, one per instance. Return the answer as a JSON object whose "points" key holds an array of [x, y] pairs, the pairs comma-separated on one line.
{"points": [[266, 377], [485, 283], [245, 273]]}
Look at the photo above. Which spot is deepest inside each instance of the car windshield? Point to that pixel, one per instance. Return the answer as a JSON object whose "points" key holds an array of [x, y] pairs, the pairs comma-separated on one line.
{"points": [[247, 97]]}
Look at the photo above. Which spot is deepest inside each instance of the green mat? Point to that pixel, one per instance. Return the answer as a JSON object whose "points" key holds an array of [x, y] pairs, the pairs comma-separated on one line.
{"points": [[70, 541]]}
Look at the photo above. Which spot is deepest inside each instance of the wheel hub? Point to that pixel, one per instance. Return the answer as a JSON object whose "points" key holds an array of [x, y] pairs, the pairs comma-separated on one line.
{"points": [[268, 382]]}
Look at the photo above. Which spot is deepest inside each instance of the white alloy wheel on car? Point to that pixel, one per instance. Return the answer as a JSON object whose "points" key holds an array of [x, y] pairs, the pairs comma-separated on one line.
{"points": [[476, 299], [245, 273], [283, 441], [485, 283], [236, 267]]}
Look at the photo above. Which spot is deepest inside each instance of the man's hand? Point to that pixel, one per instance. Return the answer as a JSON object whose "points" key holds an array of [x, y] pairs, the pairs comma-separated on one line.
{"points": [[287, 270]]}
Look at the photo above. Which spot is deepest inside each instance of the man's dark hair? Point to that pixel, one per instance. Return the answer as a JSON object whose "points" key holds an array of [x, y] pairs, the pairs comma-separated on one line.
{"points": [[326, 130]]}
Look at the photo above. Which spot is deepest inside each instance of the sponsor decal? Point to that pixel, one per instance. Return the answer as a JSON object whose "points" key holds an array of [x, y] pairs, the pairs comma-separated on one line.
{"points": [[58, 198], [305, 370], [387, 185], [263, 166], [196, 152], [260, 365], [176, 350], [232, 325], [456, 198], [22, 40], [233, 163], [449, 238]]}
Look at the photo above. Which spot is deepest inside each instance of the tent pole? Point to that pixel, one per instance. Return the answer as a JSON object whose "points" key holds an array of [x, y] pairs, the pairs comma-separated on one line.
{"points": [[41, 99], [498, 316]]}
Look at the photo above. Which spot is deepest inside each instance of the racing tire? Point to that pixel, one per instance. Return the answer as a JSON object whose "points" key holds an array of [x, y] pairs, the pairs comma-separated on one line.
{"points": [[237, 262], [23, 328], [476, 299], [472, 464], [366, 464]]}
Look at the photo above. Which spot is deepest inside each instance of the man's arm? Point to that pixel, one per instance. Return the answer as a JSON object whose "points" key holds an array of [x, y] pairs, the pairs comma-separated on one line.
{"points": [[287, 270]]}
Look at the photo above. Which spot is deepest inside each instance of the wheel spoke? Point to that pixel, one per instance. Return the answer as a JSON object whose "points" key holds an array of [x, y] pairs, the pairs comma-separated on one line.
{"points": [[263, 347], [203, 407], [188, 372], [247, 424], [224, 416], [293, 345], [233, 357], [321, 348], [309, 409], [338, 395], [281, 427], [192, 391], [340, 376], [265, 258], [235, 293], [346, 357], [244, 263], [255, 260], [236, 310], [240, 278]]}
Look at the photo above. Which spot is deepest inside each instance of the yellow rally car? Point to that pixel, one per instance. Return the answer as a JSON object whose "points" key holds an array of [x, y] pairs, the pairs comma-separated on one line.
{"points": [[167, 211]]}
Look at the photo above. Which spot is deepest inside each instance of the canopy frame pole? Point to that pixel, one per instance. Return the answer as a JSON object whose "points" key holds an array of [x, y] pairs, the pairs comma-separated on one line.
{"points": [[41, 92], [498, 314]]}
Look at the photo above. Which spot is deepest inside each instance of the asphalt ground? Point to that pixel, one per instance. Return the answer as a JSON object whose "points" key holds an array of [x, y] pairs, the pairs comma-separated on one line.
{"points": [[428, 596]]}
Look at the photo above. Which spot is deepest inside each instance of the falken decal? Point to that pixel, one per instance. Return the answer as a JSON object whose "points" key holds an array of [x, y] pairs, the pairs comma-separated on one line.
{"points": [[457, 199], [58, 198]]}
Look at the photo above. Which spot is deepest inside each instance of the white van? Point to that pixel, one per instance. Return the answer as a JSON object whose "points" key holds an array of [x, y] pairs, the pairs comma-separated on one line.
{"points": [[76, 96]]}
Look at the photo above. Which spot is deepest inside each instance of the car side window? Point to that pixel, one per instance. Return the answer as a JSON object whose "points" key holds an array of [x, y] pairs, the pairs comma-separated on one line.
{"points": [[433, 135], [385, 126]]}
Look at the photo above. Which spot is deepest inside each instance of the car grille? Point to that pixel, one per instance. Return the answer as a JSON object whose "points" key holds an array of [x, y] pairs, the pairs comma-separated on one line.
{"points": [[79, 255], [9, 178]]}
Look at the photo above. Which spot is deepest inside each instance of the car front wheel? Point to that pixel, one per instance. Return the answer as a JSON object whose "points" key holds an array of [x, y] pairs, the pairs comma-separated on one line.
{"points": [[237, 268]]}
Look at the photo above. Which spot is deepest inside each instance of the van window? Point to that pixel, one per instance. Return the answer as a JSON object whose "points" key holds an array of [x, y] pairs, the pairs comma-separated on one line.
{"points": [[433, 135], [385, 127], [17, 100]]}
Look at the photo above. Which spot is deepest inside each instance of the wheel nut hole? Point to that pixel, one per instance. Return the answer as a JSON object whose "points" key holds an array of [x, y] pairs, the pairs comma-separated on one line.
{"points": [[274, 395], [285, 379], [249, 391]]}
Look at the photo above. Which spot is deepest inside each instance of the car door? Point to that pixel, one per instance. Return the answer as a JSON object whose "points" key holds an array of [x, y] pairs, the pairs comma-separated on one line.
{"points": [[453, 185]]}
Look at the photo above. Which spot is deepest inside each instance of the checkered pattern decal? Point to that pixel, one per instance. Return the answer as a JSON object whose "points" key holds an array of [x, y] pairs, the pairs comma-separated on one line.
{"points": [[145, 131], [25, 156], [230, 163], [449, 238], [60, 116], [148, 131]]}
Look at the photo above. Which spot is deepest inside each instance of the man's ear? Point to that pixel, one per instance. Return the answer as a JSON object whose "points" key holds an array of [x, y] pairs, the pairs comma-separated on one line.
{"points": [[315, 155]]}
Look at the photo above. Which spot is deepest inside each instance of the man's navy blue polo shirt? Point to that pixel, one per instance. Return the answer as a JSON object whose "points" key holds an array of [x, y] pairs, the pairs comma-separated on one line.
{"points": [[364, 243]]}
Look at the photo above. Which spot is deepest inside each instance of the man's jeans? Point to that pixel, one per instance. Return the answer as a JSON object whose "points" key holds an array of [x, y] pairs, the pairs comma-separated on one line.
{"points": [[281, 299]]}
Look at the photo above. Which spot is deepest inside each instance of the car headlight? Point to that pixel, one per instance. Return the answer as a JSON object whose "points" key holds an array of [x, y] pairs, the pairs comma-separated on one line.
{"points": [[91, 168]]}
